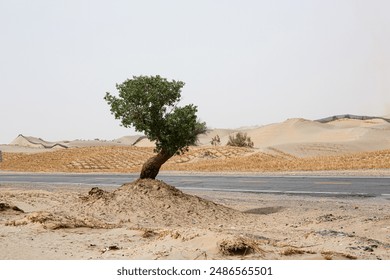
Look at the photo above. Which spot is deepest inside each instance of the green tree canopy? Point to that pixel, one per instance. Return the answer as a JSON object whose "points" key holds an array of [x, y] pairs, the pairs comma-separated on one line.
{"points": [[150, 105]]}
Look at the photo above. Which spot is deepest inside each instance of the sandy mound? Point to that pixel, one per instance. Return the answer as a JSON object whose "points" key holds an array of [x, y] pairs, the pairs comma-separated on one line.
{"points": [[154, 212], [168, 206], [143, 203]]}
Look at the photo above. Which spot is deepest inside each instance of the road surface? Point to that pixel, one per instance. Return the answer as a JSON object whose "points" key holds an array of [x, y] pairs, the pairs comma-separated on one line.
{"points": [[310, 185]]}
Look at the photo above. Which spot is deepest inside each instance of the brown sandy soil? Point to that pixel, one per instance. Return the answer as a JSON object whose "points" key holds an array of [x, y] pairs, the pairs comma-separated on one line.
{"points": [[151, 220], [202, 159], [107, 159]]}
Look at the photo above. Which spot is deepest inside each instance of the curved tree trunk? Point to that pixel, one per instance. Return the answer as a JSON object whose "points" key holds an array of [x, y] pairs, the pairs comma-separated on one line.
{"points": [[152, 166]]}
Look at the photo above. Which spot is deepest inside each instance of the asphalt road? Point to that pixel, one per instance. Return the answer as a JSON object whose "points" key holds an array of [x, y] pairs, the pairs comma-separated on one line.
{"points": [[322, 186]]}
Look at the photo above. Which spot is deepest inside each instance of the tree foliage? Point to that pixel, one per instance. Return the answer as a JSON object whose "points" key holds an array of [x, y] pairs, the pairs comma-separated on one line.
{"points": [[150, 105]]}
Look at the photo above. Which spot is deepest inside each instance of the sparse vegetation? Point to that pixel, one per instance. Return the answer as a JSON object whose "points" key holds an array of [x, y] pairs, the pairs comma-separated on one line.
{"points": [[294, 251], [240, 246], [240, 140], [215, 141]]}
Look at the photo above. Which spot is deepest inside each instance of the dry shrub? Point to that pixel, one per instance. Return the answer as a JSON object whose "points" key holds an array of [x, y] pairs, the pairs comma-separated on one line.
{"points": [[58, 221], [239, 247], [292, 251], [171, 233], [328, 255], [5, 206], [97, 192], [149, 233], [348, 256], [240, 140]]}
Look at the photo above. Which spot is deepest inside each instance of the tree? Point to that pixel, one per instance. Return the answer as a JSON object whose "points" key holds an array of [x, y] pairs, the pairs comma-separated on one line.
{"points": [[150, 105], [240, 140]]}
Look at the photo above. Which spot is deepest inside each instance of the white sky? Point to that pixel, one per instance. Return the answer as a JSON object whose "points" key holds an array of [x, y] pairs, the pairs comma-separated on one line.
{"points": [[244, 62]]}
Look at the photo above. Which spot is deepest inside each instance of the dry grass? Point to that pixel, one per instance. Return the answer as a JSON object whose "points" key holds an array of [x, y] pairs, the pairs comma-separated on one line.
{"points": [[294, 251], [207, 159], [329, 255], [240, 246]]}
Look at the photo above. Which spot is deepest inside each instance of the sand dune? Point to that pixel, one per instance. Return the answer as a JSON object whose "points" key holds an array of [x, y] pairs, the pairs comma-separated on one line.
{"points": [[34, 142], [298, 137], [295, 144], [304, 138], [30, 144]]}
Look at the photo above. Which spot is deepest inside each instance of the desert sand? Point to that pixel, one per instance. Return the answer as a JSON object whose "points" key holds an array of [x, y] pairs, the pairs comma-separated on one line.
{"points": [[151, 220]]}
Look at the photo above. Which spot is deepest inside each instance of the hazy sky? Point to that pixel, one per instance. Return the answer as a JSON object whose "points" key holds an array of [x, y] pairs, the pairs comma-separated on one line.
{"points": [[244, 62]]}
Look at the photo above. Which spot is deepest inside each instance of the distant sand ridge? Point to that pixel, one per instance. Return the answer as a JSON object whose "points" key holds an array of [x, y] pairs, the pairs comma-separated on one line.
{"points": [[339, 142]]}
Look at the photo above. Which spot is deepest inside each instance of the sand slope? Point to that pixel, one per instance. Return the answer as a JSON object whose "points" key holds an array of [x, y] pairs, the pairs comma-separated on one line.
{"points": [[303, 138]]}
